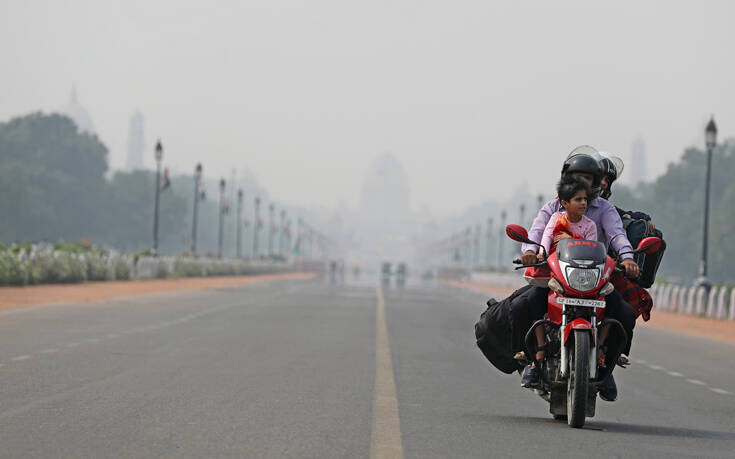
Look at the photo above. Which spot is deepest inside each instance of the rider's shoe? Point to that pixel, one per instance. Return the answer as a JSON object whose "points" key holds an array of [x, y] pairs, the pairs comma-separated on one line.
{"points": [[530, 376], [609, 390]]}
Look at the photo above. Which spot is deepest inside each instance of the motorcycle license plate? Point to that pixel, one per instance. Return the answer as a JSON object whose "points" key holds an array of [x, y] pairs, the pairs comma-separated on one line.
{"points": [[580, 302]]}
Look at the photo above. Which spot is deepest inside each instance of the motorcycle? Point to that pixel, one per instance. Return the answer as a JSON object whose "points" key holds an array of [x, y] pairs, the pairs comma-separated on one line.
{"points": [[578, 276]]}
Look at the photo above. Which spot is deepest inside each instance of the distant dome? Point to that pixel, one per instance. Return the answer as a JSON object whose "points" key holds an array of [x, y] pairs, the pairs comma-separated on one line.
{"points": [[79, 114], [385, 191]]}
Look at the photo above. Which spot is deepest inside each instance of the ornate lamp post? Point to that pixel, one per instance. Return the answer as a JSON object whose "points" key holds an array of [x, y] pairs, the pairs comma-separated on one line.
{"points": [[256, 228], [710, 135], [503, 214], [282, 233], [197, 184], [489, 240], [159, 157], [239, 222], [221, 216], [271, 208]]}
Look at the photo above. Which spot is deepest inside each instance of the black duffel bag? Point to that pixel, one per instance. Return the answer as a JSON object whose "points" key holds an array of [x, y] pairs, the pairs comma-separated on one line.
{"points": [[494, 332], [637, 230]]}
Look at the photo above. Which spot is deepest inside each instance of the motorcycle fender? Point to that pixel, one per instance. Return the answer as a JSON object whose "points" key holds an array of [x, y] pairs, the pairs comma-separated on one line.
{"points": [[577, 324]]}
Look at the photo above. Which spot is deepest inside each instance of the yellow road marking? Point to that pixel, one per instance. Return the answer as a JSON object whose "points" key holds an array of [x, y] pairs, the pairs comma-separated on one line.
{"points": [[386, 439]]}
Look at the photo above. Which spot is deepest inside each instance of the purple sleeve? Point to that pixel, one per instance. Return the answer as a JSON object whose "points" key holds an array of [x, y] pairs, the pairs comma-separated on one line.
{"points": [[539, 224], [613, 229], [591, 231]]}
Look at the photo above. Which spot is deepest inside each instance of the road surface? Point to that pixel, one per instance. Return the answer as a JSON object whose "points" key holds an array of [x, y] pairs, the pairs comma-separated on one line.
{"points": [[312, 369]]}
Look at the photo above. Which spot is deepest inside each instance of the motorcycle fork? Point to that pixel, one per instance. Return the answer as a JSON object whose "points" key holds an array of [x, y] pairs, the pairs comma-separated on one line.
{"points": [[565, 351]]}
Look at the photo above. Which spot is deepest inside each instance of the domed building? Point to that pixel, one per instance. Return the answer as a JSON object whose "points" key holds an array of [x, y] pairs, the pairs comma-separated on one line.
{"points": [[385, 193], [385, 221], [79, 114]]}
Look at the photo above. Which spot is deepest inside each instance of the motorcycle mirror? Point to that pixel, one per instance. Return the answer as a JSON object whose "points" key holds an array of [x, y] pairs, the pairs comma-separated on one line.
{"points": [[649, 245], [517, 233]]}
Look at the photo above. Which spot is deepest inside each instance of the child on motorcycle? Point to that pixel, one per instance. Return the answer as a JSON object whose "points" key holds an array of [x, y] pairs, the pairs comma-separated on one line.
{"points": [[574, 195]]}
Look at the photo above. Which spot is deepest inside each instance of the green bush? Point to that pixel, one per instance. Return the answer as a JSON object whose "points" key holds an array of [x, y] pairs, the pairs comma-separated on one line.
{"points": [[12, 270], [97, 269], [37, 269], [122, 269], [161, 270], [187, 268]]}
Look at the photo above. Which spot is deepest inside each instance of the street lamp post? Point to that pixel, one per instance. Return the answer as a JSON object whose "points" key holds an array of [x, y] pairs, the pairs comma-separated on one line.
{"points": [[281, 233], [489, 240], [271, 208], [159, 157], [239, 222], [522, 222], [221, 216], [299, 243], [710, 134], [197, 182], [540, 201], [256, 228], [501, 238], [476, 241]]}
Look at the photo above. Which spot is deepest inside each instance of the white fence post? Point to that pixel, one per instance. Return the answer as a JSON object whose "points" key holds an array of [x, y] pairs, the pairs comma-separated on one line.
{"points": [[691, 299], [674, 298], [665, 297], [711, 310], [722, 304], [731, 315], [681, 305], [701, 301]]}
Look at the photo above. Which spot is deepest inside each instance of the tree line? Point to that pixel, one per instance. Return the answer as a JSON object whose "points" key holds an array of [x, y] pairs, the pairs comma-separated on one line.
{"points": [[675, 200], [54, 187]]}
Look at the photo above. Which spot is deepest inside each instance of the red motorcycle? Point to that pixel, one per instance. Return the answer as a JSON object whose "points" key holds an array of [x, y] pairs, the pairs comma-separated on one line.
{"points": [[578, 276]]}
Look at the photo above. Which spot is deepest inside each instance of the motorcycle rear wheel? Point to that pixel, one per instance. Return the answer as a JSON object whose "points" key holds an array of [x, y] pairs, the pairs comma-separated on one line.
{"points": [[578, 380]]}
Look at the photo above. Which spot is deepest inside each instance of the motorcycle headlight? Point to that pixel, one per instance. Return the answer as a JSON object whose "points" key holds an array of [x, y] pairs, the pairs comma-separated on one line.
{"points": [[582, 280]]}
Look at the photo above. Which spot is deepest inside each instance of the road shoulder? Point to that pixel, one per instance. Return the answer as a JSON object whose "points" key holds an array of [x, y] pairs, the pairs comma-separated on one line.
{"points": [[95, 291]]}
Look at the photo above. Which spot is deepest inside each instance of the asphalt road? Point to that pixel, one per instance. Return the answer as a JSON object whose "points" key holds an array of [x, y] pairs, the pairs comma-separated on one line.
{"points": [[288, 369]]}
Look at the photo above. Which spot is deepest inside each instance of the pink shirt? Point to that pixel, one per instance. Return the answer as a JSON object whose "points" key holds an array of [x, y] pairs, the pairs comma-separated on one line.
{"points": [[586, 228]]}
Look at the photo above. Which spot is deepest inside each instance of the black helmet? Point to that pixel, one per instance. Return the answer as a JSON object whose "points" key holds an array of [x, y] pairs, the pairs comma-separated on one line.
{"points": [[612, 168], [585, 159]]}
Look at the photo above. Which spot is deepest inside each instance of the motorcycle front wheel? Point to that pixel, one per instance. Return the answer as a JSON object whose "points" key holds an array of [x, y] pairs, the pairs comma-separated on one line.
{"points": [[579, 376]]}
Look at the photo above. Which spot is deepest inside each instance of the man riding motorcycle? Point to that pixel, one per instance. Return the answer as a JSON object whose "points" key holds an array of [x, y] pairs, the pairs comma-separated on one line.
{"points": [[612, 167], [585, 163]]}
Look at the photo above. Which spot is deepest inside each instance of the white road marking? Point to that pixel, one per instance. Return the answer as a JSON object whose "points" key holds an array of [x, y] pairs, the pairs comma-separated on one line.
{"points": [[697, 382], [720, 391], [642, 362], [73, 344], [50, 350], [675, 374], [656, 367], [20, 357]]}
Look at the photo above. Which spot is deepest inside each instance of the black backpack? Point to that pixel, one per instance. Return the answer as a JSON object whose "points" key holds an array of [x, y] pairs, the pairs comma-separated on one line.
{"points": [[493, 332], [637, 230]]}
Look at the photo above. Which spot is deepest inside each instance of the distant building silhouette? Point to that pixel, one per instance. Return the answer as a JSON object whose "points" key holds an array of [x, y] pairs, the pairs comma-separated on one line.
{"points": [[385, 193], [136, 143], [79, 114], [638, 162]]}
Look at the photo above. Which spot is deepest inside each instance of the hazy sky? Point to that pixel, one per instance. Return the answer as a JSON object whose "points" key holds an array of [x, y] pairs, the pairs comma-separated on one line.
{"points": [[475, 98]]}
